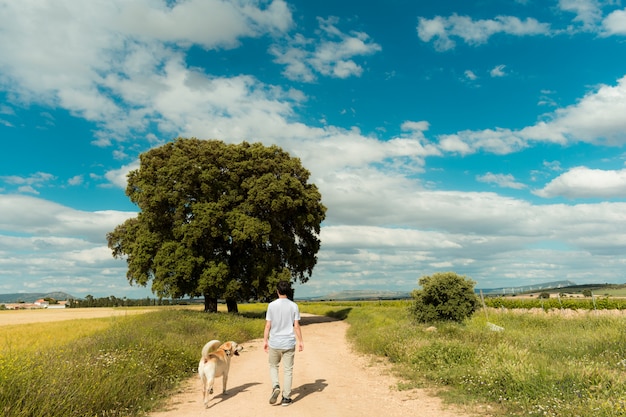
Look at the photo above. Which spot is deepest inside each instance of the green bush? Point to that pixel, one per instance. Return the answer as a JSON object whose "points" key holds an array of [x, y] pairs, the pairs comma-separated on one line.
{"points": [[444, 296]]}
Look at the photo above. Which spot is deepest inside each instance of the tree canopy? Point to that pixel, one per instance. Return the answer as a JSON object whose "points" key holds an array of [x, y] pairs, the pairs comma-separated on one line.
{"points": [[219, 220], [445, 296]]}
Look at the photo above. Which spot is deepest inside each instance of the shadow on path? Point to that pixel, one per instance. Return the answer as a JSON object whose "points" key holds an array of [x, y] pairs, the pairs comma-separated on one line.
{"points": [[307, 389], [330, 316], [304, 320], [231, 392]]}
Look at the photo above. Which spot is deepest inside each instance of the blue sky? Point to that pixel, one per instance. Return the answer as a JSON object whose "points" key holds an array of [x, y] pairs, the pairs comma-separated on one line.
{"points": [[485, 138]]}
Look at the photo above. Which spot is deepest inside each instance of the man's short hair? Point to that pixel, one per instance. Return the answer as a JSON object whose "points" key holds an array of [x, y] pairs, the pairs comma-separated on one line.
{"points": [[283, 287]]}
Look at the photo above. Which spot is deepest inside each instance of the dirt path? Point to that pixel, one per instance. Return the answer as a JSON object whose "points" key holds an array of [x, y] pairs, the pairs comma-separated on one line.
{"points": [[329, 380]]}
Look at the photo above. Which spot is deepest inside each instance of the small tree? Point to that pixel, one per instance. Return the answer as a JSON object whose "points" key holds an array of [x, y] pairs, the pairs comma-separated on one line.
{"points": [[544, 295], [444, 296]]}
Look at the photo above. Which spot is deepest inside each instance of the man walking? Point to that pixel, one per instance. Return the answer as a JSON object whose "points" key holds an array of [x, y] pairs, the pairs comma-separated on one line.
{"points": [[282, 331]]}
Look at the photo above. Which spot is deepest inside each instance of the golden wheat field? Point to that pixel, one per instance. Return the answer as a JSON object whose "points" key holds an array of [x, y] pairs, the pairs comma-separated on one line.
{"points": [[13, 317]]}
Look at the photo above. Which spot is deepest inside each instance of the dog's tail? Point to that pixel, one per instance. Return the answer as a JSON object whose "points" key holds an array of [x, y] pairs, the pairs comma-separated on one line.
{"points": [[210, 347]]}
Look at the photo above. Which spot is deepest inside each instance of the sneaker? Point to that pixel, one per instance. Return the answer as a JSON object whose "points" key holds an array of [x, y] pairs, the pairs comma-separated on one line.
{"points": [[275, 393], [286, 401]]}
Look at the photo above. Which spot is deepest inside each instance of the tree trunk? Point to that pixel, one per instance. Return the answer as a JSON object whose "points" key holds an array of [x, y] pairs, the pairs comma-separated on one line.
{"points": [[210, 304], [231, 303]]}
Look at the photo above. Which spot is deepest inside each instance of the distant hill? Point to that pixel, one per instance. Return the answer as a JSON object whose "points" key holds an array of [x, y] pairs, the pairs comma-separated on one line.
{"points": [[527, 288], [355, 295], [31, 297]]}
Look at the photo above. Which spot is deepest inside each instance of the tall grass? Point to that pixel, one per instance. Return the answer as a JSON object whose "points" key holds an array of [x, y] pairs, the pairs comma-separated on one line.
{"points": [[121, 370], [37, 336], [540, 365]]}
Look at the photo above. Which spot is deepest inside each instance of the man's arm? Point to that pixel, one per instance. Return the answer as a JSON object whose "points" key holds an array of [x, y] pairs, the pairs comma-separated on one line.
{"points": [[298, 332], [266, 335]]}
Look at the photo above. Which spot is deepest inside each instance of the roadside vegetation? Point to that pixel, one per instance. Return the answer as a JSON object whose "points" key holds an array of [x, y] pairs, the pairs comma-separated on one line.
{"points": [[557, 303], [534, 364], [95, 368]]}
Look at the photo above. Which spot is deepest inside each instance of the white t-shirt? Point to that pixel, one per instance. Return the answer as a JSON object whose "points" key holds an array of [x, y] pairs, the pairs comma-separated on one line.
{"points": [[282, 313]]}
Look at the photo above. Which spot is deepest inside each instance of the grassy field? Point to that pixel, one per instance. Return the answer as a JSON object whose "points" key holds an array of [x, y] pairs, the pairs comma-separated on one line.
{"points": [[121, 366], [613, 292], [541, 364], [558, 303]]}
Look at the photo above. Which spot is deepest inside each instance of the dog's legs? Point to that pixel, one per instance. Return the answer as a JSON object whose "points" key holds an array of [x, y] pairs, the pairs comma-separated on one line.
{"points": [[205, 398], [224, 381], [207, 389]]}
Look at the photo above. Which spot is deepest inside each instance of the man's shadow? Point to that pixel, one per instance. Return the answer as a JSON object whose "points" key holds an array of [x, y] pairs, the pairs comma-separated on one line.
{"points": [[231, 392], [307, 389]]}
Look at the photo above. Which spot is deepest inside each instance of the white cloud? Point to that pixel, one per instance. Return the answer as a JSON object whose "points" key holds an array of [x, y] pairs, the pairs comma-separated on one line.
{"points": [[546, 99], [471, 233], [27, 189], [132, 52], [30, 184], [52, 247], [498, 71], [615, 23], [502, 180], [583, 182], [436, 28], [588, 16], [76, 180], [470, 75], [333, 55], [47, 219], [418, 127], [442, 30], [35, 179], [588, 12], [375, 237], [154, 83], [553, 165], [118, 177], [597, 118], [497, 141]]}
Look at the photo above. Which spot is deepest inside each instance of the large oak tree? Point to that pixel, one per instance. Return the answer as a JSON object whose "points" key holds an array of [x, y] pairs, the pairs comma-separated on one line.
{"points": [[220, 221]]}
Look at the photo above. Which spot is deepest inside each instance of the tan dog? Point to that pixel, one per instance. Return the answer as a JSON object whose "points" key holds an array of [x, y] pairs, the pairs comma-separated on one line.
{"points": [[215, 363]]}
